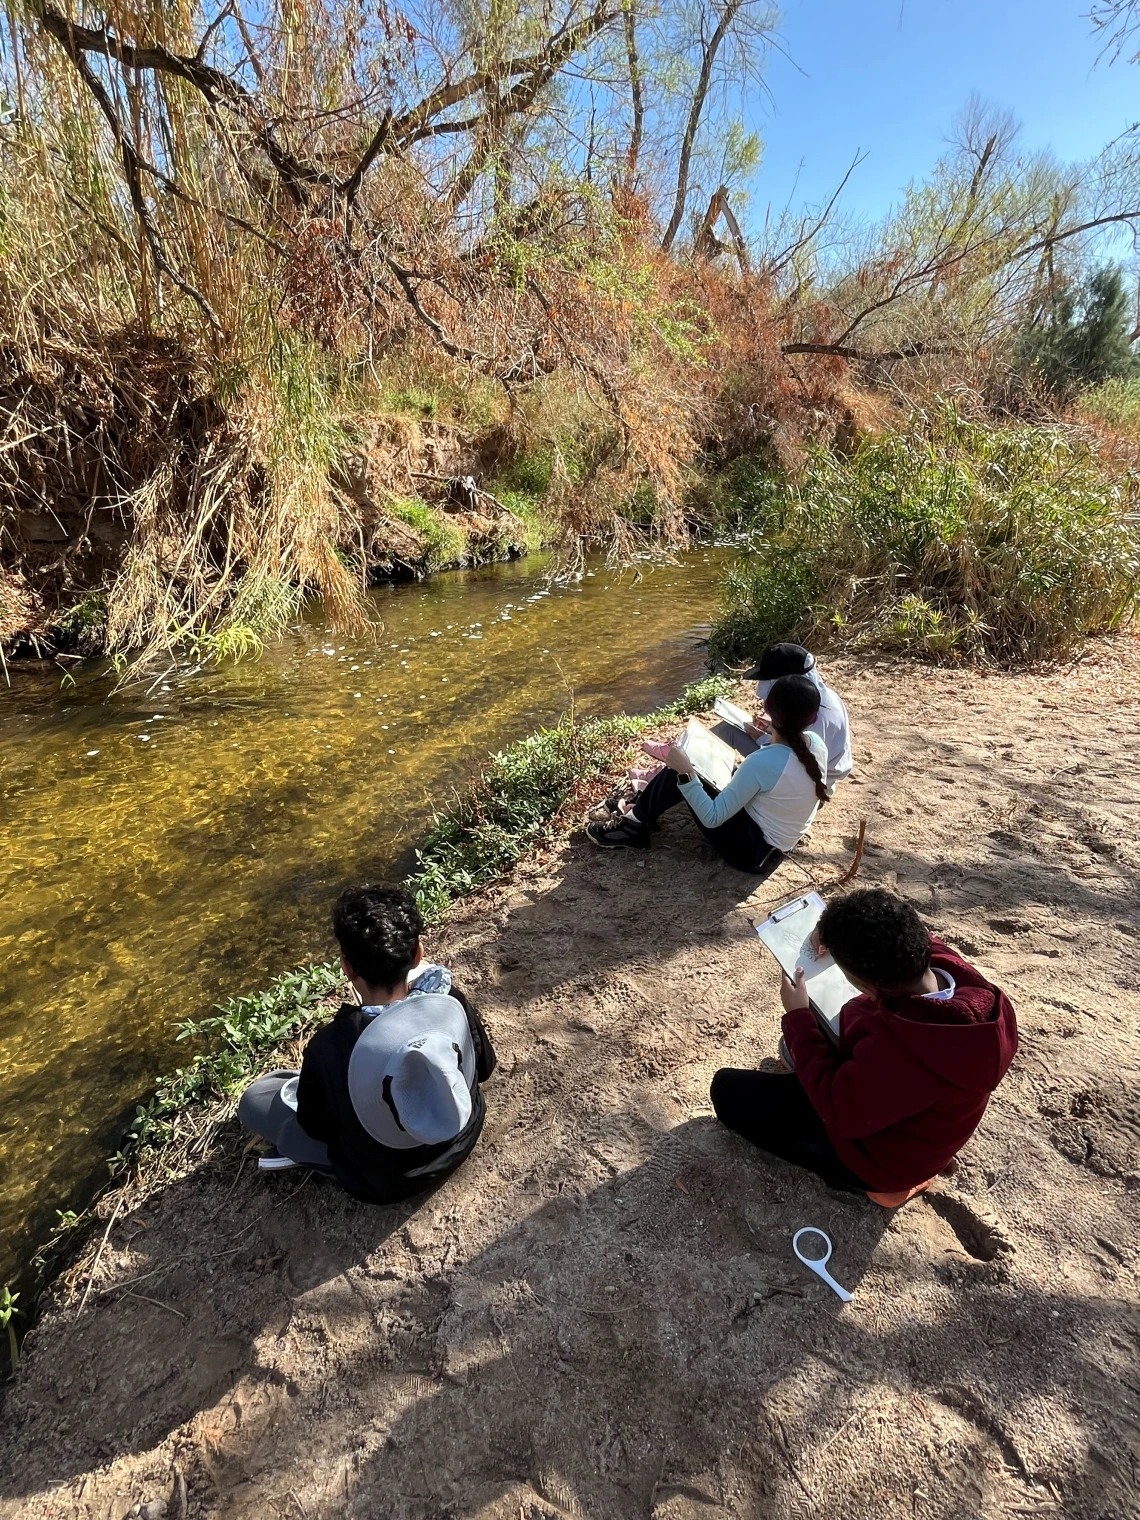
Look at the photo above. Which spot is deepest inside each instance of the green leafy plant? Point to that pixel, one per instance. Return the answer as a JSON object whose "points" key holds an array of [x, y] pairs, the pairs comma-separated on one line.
{"points": [[949, 539], [8, 1312], [484, 831], [233, 1043]]}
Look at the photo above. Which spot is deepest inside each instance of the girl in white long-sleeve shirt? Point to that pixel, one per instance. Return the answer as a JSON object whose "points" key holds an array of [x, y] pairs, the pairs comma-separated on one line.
{"points": [[773, 795], [831, 724]]}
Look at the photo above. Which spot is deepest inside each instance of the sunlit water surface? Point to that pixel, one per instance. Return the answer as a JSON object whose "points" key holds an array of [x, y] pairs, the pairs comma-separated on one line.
{"points": [[164, 851]]}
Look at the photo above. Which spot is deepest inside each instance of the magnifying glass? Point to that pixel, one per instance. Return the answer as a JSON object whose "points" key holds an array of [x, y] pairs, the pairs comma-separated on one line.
{"points": [[818, 1264]]}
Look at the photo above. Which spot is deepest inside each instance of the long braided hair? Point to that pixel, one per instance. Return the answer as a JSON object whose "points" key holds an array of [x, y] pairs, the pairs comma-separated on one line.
{"points": [[793, 704]]}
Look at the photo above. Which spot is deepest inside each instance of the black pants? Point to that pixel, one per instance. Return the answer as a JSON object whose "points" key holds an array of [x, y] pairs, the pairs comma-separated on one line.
{"points": [[739, 841], [771, 1109]]}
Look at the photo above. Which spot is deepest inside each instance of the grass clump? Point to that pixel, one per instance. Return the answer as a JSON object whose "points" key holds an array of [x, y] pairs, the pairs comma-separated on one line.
{"points": [[950, 540], [234, 1042], [485, 830], [444, 543], [1115, 405]]}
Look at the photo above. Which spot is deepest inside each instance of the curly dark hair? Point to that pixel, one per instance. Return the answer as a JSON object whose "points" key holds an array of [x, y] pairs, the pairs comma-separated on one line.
{"points": [[877, 936], [793, 705], [378, 929]]}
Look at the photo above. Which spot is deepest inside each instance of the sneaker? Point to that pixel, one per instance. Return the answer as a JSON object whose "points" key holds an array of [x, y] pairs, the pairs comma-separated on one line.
{"points": [[274, 1161], [657, 749], [624, 833], [896, 1200]]}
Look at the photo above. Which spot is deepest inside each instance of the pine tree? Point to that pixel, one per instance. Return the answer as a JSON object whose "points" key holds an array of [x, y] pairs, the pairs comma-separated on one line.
{"points": [[1081, 336]]}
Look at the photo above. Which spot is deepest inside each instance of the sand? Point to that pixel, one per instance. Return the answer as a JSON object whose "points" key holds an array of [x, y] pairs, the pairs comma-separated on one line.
{"points": [[601, 1315]]}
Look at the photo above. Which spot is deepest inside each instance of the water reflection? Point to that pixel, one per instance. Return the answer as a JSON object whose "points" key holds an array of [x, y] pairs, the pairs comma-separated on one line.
{"points": [[167, 849]]}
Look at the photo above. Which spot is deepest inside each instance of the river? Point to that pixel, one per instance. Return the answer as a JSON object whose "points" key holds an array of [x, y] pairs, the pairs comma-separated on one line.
{"points": [[163, 850]]}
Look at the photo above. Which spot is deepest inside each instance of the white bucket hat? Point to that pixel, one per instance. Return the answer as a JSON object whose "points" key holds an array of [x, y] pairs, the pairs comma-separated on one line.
{"points": [[412, 1071]]}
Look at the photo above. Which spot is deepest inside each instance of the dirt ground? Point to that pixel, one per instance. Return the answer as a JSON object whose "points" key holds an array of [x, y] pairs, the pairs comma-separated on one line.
{"points": [[601, 1315]]}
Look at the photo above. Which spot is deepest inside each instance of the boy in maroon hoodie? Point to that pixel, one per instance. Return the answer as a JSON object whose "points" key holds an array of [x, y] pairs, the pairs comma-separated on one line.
{"points": [[919, 1052]]}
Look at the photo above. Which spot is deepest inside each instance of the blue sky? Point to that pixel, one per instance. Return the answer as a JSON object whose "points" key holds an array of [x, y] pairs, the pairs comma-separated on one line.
{"points": [[888, 76]]}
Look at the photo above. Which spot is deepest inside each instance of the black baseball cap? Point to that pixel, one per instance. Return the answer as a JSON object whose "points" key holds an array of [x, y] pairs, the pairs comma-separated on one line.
{"points": [[781, 660]]}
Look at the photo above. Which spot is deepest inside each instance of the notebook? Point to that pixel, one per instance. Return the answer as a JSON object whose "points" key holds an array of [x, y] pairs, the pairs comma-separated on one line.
{"points": [[787, 934], [713, 760]]}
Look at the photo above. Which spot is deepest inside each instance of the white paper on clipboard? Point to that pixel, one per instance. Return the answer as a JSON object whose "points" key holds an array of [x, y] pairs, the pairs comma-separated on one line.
{"points": [[713, 760], [788, 935]]}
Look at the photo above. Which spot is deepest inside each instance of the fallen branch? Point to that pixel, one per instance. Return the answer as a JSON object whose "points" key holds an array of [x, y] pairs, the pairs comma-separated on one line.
{"points": [[99, 1252], [857, 860]]}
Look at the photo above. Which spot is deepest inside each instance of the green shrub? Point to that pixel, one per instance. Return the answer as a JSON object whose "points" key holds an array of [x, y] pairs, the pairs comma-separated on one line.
{"points": [[83, 627], [531, 512], [951, 540], [414, 401], [529, 472], [1082, 335], [745, 496], [766, 597], [233, 1044]]}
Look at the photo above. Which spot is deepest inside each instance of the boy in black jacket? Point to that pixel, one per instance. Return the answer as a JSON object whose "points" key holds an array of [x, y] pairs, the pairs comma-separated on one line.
{"points": [[397, 1115]]}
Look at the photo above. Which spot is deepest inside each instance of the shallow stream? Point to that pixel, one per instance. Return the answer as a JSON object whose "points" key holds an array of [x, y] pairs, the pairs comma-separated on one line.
{"points": [[163, 851]]}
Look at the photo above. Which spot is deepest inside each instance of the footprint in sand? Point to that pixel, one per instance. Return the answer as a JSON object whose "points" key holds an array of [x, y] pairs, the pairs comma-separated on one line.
{"points": [[980, 1232]]}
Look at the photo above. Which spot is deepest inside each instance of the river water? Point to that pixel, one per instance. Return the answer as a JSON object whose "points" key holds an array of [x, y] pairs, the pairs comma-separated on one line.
{"points": [[163, 851]]}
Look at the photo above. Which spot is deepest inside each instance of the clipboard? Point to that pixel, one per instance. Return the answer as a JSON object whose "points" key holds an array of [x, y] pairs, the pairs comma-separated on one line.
{"points": [[787, 933], [712, 759], [730, 713]]}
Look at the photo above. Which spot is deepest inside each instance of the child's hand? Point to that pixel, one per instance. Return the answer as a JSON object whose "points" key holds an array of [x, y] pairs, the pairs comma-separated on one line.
{"points": [[793, 995], [760, 725], [817, 944], [678, 761]]}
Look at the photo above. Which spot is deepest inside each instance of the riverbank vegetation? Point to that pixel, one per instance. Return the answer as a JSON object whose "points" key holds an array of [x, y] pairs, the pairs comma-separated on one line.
{"points": [[293, 299], [948, 538]]}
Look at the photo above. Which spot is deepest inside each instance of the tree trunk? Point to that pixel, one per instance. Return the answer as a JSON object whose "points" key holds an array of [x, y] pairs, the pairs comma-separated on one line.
{"points": [[637, 96], [694, 121]]}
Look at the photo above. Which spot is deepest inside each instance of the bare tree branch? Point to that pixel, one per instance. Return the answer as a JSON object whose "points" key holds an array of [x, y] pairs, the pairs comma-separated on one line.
{"points": [[132, 167], [562, 46], [213, 84], [350, 188], [807, 235]]}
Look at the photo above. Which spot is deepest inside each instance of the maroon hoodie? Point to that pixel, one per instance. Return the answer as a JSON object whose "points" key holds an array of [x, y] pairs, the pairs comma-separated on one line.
{"points": [[910, 1080]]}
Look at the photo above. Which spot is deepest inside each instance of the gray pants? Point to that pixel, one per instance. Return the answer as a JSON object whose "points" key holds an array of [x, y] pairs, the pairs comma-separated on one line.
{"points": [[262, 1110]]}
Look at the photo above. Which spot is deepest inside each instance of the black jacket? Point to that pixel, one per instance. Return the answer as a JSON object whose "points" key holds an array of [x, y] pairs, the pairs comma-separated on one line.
{"points": [[372, 1172]]}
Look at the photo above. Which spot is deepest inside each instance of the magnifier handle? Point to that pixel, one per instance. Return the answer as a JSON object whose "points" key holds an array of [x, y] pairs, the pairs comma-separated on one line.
{"points": [[821, 1271]]}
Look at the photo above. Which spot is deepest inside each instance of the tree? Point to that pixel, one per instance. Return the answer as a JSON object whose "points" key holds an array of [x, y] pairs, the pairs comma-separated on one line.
{"points": [[1081, 335], [1119, 21]]}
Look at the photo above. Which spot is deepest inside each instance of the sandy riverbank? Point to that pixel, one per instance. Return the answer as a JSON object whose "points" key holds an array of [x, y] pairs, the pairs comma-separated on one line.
{"points": [[600, 1315]]}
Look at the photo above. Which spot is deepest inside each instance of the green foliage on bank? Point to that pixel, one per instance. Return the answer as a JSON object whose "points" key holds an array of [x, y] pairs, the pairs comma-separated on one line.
{"points": [[443, 542], [233, 1043], [449, 542], [487, 829], [949, 540]]}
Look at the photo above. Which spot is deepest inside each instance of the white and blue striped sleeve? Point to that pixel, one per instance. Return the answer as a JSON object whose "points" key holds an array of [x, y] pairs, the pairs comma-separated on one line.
{"points": [[756, 773]]}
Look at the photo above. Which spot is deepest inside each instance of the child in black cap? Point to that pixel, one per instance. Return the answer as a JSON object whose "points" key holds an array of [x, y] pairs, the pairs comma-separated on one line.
{"points": [[832, 725]]}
